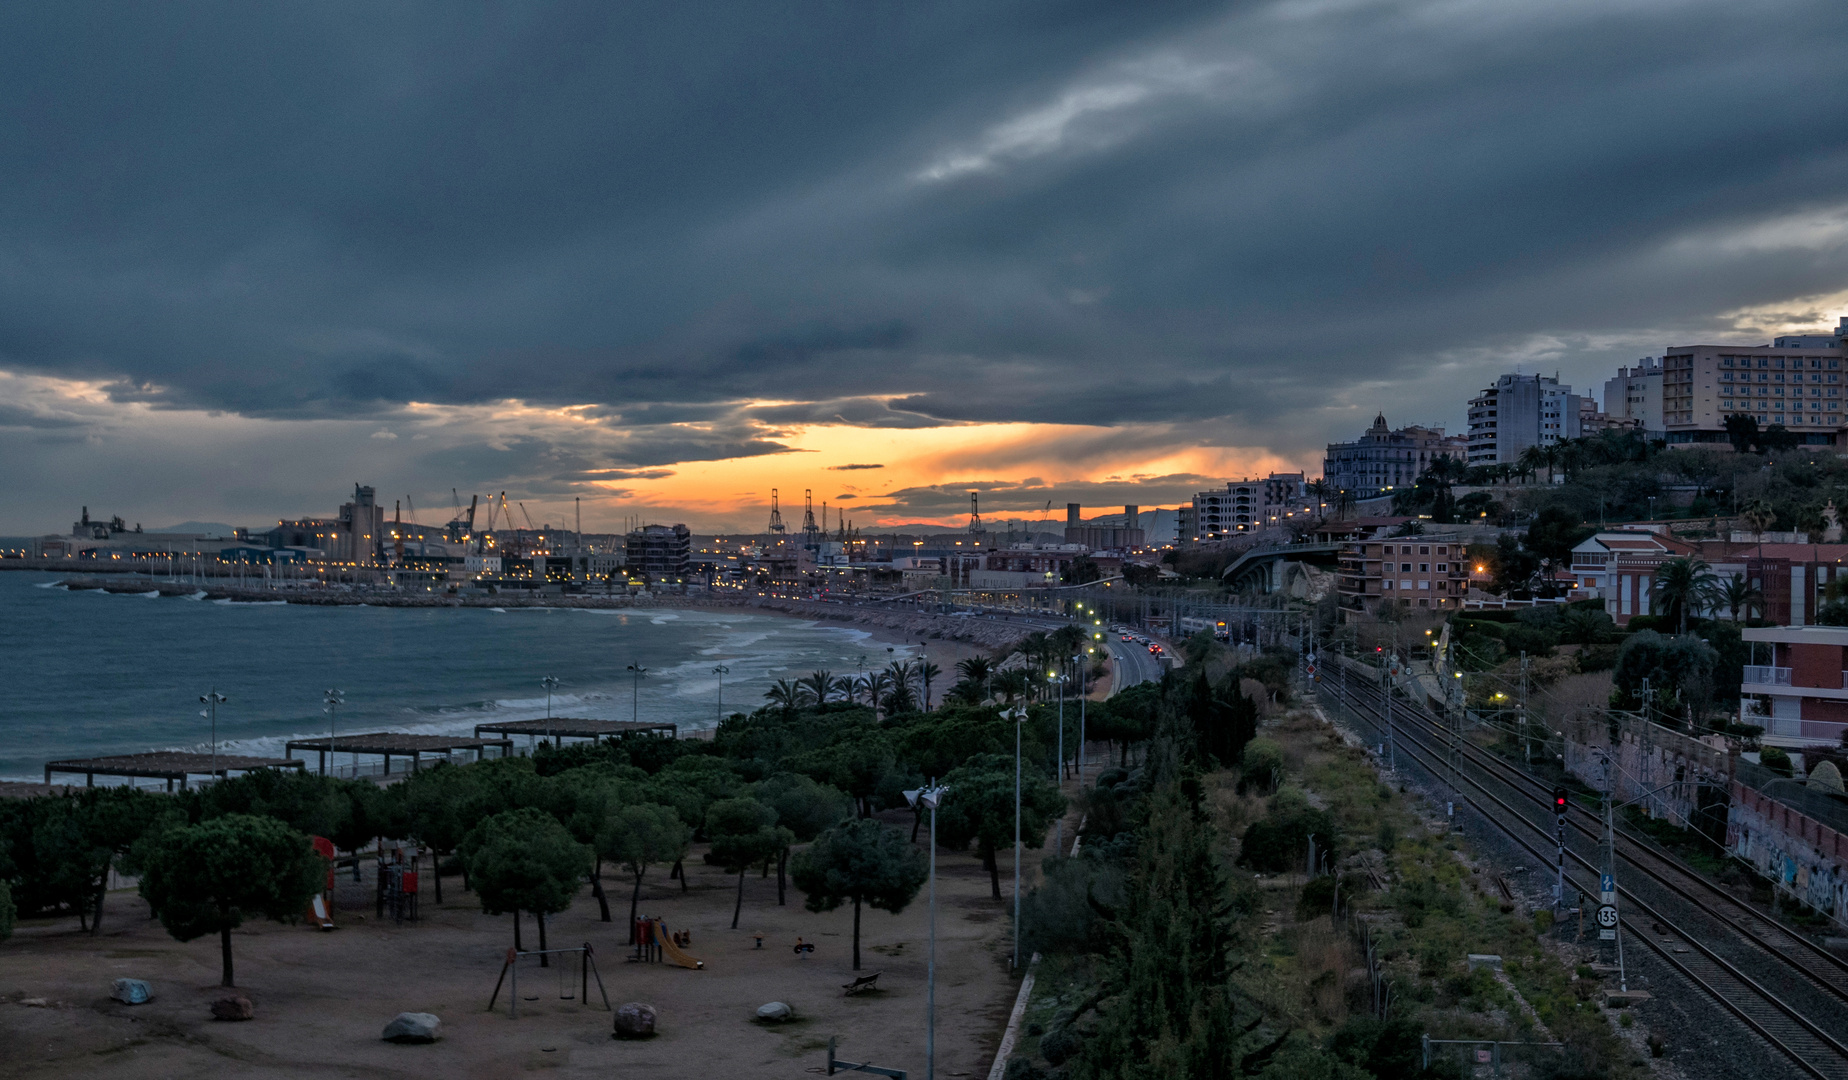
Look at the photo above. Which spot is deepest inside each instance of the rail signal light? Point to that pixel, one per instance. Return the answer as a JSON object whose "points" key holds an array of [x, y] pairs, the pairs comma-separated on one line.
{"points": [[1559, 800]]}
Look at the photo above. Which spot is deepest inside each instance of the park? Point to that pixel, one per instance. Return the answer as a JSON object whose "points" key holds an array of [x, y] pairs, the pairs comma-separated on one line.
{"points": [[780, 877]]}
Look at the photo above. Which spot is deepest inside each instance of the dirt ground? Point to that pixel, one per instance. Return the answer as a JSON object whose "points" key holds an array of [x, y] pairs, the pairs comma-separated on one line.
{"points": [[322, 998]]}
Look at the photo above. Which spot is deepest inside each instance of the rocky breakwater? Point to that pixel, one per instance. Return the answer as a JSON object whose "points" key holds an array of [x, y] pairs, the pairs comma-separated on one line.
{"points": [[915, 626]]}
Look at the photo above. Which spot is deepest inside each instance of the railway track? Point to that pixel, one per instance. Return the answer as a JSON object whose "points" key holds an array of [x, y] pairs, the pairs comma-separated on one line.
{"points": [[1794, 995]]}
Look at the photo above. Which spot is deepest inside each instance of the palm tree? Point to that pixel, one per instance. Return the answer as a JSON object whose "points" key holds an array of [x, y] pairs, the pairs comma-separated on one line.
{"points": [[976, 669], [1012, 683], [1344, 504], [1530, 460], [819, 683], [787, 695], [926, 672], [845, 687], [1739, 595], [1321, 491], [1684, 585], [874, 685], [1759, 515]]}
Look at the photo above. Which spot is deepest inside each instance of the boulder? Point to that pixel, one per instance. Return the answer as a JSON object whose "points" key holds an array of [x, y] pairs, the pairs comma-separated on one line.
{"points": [[635, 1020], [236, 1007], [410, 1027], [132, 992], [775, 1012]]}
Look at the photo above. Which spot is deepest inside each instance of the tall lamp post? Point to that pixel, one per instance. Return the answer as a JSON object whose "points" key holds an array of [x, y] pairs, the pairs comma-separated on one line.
{"points": [[635, 692], [550, 682], [332, 699], [721, 671], [1019, 716], [1084, 673], [930, 798], [211, 699]]}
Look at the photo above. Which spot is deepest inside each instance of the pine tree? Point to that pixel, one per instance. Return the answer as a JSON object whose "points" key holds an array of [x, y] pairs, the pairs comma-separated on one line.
{"points": [[1171, 1012]]}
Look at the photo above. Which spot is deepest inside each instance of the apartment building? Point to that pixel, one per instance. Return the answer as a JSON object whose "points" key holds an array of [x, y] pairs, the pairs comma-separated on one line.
{"points": [[1517, 412], [1383, 459], [1248, 505], [1421, 571], [661, 551], [1796, 381], [1635, 393], [1796, 686]]}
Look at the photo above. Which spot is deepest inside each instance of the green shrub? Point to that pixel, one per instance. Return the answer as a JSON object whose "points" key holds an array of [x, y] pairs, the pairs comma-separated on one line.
{"points": [[1775, 759]]}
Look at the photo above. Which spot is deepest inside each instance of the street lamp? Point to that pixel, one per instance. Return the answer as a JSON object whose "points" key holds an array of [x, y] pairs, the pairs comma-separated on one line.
{"points": [[930, 798], [635, 692], [333, 699], [721, 671], [211, 700], [1019, 716], [550, 682]]}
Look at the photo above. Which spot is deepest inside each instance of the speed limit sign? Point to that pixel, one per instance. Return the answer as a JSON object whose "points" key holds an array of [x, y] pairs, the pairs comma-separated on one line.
{"points": [[1607, 917]]}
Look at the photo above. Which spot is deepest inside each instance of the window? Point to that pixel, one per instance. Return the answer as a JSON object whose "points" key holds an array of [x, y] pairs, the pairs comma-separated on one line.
{"points": [[1442, 586], [1443, 568], [1424, 551], [1405, 568], [1442, 550]]}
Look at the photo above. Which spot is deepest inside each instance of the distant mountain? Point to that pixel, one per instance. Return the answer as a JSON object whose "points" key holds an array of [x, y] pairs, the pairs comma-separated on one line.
{"points": [[214, 528]]}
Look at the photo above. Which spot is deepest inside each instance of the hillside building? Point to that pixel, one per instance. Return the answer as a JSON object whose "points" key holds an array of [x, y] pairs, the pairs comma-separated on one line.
{"points": [[1517, 412], [1796, 381], [1383, 459]]}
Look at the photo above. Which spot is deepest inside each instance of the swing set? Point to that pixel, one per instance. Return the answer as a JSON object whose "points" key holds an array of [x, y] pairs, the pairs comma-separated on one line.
{"points": [[587, 967]]}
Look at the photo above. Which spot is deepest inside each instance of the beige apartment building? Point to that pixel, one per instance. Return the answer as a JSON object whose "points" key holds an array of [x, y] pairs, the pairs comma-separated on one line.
{"points": [[1422, 571], [1796, 381]]}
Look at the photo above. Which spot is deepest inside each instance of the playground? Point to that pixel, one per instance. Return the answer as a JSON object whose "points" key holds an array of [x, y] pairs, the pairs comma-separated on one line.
{"points": [[322, 997]]}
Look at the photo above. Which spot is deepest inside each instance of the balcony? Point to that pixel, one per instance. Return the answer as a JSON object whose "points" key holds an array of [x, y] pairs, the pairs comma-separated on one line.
{"points": [[1769, 676]]}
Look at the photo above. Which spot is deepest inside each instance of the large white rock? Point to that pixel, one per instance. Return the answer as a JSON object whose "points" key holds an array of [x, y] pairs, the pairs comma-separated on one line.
{"points": [[775, 1012], [132, 992], [410, 1027]]}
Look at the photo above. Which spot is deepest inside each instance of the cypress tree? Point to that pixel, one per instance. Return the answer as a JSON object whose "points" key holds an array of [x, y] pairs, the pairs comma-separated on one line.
{"points": [[1170, 1011]]}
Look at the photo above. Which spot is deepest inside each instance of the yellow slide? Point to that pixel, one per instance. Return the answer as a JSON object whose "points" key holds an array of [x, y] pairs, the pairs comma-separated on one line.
{"points": [[673, 952]]}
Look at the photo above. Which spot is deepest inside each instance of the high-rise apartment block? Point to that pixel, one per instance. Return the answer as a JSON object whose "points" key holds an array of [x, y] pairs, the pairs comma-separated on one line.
{"points": [[1248, 505], [1383, 459], [1636, 394], [1796, 381], [1517, 412]]}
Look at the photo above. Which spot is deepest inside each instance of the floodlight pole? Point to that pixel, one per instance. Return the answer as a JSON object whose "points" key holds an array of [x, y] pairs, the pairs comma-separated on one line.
{"points": [[721, 671], [212, 698], [1079, 662], [550, 683], [635, 692], [335, 699]]}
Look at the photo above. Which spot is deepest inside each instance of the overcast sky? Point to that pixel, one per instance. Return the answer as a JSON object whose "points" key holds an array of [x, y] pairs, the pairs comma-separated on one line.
{"points": [[666, 257]]}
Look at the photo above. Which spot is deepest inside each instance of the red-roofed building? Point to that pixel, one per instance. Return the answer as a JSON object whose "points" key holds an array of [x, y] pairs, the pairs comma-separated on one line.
{"points": [[1619, 568]]}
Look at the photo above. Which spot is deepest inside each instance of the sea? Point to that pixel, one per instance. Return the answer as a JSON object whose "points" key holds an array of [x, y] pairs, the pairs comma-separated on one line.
{"points": [[88, 673]]}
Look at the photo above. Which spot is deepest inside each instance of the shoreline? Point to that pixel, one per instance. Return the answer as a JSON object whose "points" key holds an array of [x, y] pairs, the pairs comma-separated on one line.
{"points": [[954, 638]]}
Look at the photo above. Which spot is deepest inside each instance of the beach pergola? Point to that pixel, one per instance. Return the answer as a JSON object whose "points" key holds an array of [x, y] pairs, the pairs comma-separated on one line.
{"points": [[569, 727], [171, 766], [19, 789], [390, 744]]}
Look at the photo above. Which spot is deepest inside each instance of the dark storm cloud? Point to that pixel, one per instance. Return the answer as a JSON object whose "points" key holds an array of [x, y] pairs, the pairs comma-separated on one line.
{"points": [[749, 217], [849, 468]]}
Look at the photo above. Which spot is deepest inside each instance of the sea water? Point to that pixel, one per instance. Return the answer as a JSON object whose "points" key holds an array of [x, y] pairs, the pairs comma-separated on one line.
{"points": [[88, 673]]}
